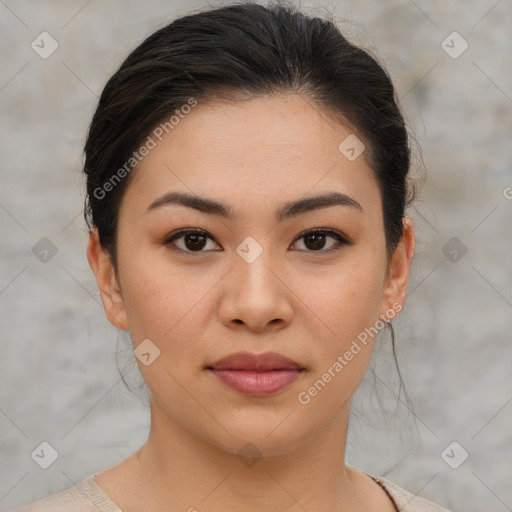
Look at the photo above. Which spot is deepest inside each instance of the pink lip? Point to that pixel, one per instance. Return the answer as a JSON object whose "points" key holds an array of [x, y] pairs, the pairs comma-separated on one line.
{"points": [[256, 374]]}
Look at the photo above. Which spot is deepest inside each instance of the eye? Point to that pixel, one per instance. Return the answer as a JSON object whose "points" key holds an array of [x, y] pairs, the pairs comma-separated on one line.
{"points": [[315, 240], [193, 240]]}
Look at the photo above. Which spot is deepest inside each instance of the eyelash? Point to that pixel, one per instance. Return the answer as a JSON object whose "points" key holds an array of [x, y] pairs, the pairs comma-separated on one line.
{"points": [[340, 239]]}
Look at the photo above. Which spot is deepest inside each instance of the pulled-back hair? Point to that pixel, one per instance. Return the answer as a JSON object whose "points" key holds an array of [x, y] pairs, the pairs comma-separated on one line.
{"points": [[239, 51]]}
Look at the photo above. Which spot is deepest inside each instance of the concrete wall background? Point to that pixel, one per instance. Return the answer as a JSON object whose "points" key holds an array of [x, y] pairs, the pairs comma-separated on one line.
{"points": [[60, 381]]}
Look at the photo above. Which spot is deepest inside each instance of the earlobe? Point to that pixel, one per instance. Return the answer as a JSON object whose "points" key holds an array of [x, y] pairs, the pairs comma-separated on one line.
{"points": [[399, 268], [106, 279]]}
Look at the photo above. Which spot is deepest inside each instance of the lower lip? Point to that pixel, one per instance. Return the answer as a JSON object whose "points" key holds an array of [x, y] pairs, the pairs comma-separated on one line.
{"points": [[252, 383]]}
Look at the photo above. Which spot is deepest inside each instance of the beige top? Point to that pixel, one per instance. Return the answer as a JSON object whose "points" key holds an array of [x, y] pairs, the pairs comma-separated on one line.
{"points": [[88, 496]]}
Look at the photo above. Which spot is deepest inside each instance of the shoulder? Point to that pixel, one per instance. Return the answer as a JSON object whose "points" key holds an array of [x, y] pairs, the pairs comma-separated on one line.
{"points": [[85, 496], [405, 500]]}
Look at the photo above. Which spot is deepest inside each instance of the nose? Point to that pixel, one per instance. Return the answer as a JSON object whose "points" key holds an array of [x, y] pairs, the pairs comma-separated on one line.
{"points": [[256, 295]]}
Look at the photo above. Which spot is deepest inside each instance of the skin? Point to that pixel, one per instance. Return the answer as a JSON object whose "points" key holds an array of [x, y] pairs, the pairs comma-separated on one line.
{"points": [[306, 304]]}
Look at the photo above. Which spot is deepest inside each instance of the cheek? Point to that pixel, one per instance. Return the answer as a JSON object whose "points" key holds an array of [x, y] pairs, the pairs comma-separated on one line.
{"points": [[348, 308], [145, 292], [164, 303], [348, 299]]}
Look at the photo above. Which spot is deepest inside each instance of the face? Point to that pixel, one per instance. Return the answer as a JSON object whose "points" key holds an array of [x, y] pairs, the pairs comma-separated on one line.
{"points": [[254, 274]]}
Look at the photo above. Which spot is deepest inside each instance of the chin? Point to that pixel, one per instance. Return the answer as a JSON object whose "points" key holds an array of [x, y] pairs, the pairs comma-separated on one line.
{"points": [[259, 431]]}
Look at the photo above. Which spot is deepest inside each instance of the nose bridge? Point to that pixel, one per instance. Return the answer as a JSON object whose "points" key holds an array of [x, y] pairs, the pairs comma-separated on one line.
{"points": [[255, 266], [256, 295]]}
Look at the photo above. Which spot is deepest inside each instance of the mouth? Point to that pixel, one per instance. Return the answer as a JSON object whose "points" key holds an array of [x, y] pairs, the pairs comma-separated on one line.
{"points": [[256, 374]]}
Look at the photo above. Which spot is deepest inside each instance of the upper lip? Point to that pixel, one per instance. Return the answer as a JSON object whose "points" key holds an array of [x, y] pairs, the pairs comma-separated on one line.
{"points": [[264, 362]]}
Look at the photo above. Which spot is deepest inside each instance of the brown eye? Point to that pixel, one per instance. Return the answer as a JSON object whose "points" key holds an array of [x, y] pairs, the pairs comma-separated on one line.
{"points": [[191, 241], [316, 240], [194, 242]]}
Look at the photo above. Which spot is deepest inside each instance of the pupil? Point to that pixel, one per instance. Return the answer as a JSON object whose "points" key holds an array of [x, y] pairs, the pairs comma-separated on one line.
{"points": [[196, 242], [320, 241]]}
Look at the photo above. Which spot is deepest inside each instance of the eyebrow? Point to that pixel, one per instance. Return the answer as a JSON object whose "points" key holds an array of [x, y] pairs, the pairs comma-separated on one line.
{"points": [[286, 211]]}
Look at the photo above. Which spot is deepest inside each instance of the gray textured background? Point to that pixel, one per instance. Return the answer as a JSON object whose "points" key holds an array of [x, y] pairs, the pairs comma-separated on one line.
{"points": [[60, 381]]}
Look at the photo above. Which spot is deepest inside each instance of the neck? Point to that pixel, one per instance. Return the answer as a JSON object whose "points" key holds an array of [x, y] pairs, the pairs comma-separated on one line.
{"points": [[179, 471]]}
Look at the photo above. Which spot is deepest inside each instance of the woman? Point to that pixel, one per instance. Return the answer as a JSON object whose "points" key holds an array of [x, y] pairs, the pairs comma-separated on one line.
{"points": [[247, 178]]}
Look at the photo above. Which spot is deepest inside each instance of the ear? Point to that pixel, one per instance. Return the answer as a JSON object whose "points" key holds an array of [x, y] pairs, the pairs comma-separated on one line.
{"points": [[108, 285], [397, 279]]}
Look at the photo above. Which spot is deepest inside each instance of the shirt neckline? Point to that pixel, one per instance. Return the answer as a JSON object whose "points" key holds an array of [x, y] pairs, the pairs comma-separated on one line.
{"points": [[382, 484], [378, 480]]}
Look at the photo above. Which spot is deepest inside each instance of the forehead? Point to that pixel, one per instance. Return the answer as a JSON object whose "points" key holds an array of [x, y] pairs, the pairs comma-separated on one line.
{"points": [[255, 151]]}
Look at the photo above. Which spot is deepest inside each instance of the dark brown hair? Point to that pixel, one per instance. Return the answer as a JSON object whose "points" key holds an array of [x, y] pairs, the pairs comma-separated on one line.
{"points": [[252, 50]]}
